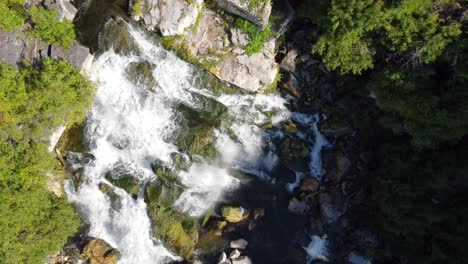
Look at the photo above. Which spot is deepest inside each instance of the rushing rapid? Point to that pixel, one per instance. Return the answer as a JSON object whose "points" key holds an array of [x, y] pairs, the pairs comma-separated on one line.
{"points": [[132, 124]]}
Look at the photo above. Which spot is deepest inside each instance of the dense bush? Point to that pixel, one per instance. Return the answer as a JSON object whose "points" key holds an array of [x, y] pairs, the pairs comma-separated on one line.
{"points": [[46, 25], [411, 32], [34, 100], [10, 18]]}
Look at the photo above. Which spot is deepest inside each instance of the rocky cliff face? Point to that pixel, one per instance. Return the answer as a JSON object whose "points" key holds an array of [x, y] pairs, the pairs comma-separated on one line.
{"points": [[15, 46]]}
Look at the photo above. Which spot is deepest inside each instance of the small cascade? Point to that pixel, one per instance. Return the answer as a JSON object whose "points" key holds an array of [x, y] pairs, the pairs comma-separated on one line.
{"points": [[134, 125]]}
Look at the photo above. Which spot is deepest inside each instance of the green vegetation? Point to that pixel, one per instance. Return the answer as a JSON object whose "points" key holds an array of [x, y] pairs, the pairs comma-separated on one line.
{"points": [[256, 35], [34, 100], [45, 23], [412, 57], [135, 10], [10, 16], [412, 31], [47, 26]]}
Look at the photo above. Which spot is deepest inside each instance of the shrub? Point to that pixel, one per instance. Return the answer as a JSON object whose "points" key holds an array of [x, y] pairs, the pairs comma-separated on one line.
{"points": [[257, 36], [46, 26], [10, 18]]}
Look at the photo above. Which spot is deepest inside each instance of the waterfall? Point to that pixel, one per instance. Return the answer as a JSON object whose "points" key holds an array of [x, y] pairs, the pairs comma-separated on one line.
{"points": [[132, 124]]}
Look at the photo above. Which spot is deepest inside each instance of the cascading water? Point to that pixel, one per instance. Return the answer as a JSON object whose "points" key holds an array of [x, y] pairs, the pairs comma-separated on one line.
{"points": [[132, 124]]}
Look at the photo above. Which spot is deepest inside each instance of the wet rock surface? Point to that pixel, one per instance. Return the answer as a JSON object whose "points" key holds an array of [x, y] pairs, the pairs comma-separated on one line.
{"points": [[257, 12]]}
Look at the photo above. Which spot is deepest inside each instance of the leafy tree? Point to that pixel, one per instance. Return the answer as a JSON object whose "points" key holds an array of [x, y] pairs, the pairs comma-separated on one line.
{"points": [[10, 18], [346, 45], [52, 94], [430, 102], [46, 25], [410, 31], [33, 100]]}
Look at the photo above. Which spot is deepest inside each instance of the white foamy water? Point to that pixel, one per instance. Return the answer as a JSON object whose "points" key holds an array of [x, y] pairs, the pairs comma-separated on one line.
{"points": [[131, 126], [317, 249]]}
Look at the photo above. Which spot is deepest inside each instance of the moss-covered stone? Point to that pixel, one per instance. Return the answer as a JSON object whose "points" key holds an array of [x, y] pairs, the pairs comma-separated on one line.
{"points": [[234, 214], [180, 162], [99, 252], [128, 183], [293, 147], [141, 73], [115, 35], [198, 140], [290, 127], [179, 232]]}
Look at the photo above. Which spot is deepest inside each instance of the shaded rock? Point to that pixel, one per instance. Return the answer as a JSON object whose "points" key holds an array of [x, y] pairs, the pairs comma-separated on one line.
{"points": [[99, 252], [293, 147], [242, 260], [288, 63], [234, 214], [256, 11], [343, 164], [235, 254], [309, 184], [258, 213], [296, 206], [171, 17], [336, 127], [223, 258], [330, 212], [290, 84], [238, 243]]}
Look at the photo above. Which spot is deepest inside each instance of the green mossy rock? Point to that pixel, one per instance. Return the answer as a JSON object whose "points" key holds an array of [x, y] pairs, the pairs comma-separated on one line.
{"points": [[141, 73], [180, 162], [99, 252], [234, 214], [293, 147], [290, 127], [128, 183], [207, 110], [198, 140], [115, 35], [179, 232]]}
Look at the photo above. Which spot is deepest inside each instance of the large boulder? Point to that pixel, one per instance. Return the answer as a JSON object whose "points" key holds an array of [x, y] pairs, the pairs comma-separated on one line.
{"points": [[99, 252], [222, 52], [257, 11], [15, 46], [171, 17]]}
